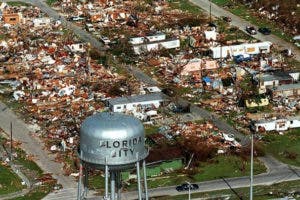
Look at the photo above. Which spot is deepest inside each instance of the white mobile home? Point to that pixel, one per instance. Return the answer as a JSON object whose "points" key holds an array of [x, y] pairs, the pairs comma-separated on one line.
{"points": [[234, 50], [131, 103], [276, 124], [156, 45], [148, 38]]}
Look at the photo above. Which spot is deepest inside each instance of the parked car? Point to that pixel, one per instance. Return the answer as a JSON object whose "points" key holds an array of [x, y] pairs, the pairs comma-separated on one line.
{"points": [[251, 30], [211, 24], [227, 19], [287, 52], [89, 27], [185, 187], [264, 31], [296, 40], [76, 18], [105, 40], [241, 58]]}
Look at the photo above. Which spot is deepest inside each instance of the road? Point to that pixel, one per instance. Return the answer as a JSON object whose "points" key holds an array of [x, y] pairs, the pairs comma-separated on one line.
{"points": [[241, 23]]}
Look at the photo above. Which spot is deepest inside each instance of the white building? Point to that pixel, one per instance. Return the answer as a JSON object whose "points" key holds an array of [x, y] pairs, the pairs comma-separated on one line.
{"points": [[276, 124], [41, 22], [234, 50], [131, 103], [77, 47], [156, 45], [148, 38]]}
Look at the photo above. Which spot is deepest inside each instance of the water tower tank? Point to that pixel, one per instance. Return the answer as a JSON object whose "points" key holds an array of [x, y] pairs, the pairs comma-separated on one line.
{"points": [[112, 139]]}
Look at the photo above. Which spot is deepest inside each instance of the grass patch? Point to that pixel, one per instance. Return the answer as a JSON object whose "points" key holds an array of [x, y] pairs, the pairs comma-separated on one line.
{"points": [[10, 182], [285, 148], [37, 193], [27, 163], [278, 190], [227, 166], [51, 2], [221, 2], [185, 6], [149, 130], [17, 3]]}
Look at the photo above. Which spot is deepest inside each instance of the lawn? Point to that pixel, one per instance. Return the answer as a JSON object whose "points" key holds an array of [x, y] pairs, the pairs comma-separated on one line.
{"points": [[275, 191], [51, 2], [185, 6], [285, 148], [150, 129], [227, 166], [17, 3], [9, 181], [37, 193]]}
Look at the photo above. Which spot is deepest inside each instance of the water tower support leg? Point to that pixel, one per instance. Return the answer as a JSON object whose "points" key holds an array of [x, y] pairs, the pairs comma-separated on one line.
{"points": [[86, 179], [79, 182], [112, 185], [139, 179], [145, 180], [106, 181], [119, 185]]}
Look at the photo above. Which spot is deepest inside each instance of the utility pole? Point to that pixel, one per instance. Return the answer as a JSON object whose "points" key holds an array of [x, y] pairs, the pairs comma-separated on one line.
{"points": [[251, 174], [189, 185], [209, 11], [11, 143]]}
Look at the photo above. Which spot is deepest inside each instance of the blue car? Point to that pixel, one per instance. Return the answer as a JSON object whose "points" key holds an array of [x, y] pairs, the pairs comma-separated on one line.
{"points": [[242, 58]]}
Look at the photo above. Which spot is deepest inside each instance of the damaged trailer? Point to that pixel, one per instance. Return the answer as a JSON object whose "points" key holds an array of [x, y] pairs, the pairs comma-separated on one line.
{"points": [[275, 124], [235, 50]]}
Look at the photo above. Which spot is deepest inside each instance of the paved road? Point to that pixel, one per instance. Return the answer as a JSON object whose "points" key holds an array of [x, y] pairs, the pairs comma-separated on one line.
{"points": [[32, 145], [241, 23]]}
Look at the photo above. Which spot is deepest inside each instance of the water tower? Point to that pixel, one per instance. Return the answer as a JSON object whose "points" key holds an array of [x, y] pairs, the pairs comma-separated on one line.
{"points": [[112, 142]]}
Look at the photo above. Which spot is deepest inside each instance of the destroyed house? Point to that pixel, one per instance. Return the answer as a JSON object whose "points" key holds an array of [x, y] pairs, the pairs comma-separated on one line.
{"points": [[12, 18], [289, 90], [131, 103], [235, 50], [274, 79]]}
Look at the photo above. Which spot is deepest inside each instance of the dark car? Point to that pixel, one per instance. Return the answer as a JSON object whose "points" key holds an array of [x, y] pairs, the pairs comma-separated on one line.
{"points": [[211, 24], [264, 31], [185, 187], [227, 19], [251, 30], [242, 58]]}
